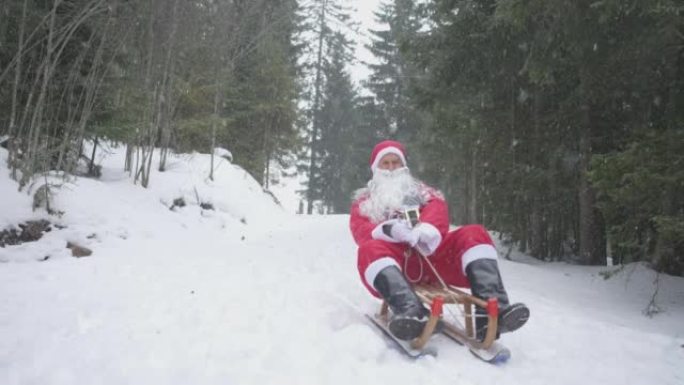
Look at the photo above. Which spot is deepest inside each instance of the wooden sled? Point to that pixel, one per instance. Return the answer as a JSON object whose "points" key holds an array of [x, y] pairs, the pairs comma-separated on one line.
{"points": [[435, 298]]}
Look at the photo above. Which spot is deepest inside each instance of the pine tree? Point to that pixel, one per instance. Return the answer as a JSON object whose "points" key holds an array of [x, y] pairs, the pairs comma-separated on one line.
{"points": [[325, 17], [263, 102], [152, 74], [338, 123], [391, 77], [504, 80]]}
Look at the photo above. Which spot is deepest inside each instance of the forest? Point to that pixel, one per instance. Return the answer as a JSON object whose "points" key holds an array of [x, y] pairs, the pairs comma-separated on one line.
{"points": [[559, 124]]}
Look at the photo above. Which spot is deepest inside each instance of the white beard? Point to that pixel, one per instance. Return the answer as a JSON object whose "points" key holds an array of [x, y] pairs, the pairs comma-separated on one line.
{"points": [[389, 192]]}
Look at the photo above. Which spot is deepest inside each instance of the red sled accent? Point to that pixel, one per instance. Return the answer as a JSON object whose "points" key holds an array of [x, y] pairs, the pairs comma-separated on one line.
{"points": [[437, 303], [493, 307]]}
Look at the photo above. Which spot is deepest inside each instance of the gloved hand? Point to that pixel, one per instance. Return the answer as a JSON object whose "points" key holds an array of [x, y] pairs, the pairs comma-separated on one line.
{"points": [[428, 237], [395, 231]]}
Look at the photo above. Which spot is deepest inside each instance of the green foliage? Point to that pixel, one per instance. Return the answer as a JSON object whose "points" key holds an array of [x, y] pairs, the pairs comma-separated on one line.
{"points": [[194, 134], [519, 96], [391, 77], [640, 190], [262, 106], [120, 112], [328, 22], [170, 74], [343, 134]]}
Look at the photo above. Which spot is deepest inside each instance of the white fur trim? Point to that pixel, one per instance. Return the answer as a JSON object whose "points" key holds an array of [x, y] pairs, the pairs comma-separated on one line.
{"points": [[376, 267], [474, 253], [385, 151], [429, 238]]}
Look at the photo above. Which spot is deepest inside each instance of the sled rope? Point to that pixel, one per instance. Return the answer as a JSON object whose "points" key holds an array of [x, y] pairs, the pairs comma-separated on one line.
{"points": [[407, 255], [444, 286], [410, 253]]}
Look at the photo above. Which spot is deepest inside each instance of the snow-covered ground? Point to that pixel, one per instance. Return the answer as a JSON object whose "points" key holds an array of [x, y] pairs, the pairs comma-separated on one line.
{"points": [[251, 294]]}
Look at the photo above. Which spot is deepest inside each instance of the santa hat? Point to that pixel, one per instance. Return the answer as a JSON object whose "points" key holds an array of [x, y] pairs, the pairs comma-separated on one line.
{"points": [[386, 147]]}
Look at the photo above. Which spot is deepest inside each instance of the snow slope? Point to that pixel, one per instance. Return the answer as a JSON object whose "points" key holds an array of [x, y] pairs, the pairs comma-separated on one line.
{"points": [[249, 294]]}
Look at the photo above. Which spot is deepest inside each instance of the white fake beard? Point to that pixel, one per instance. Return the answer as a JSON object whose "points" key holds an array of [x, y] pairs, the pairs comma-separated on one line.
{"points": [[389, 193]]}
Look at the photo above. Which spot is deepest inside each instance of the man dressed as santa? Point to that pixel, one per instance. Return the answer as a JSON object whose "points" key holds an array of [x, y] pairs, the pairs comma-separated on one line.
{"points": [[388, 243]]}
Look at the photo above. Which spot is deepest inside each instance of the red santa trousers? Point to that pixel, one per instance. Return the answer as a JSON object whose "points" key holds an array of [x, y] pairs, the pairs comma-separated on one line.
{"points": [[458, 248]]}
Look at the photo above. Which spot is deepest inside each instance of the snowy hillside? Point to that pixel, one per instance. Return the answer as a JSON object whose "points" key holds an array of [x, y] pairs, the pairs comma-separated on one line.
{"points": [[247, 293]]}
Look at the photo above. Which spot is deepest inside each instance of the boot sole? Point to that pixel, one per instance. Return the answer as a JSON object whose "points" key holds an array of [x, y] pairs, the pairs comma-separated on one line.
{"points": [[406, 328], [514, 319]]}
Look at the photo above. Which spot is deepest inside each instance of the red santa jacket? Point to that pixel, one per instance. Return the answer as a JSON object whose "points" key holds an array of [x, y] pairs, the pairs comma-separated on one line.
{"points": [[433, 211]]}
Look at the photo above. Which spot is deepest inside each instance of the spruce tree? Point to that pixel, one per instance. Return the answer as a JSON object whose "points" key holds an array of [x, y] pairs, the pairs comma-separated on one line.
{"points": [[391, 77], [338, 124], [325, 17], [522, 96]]}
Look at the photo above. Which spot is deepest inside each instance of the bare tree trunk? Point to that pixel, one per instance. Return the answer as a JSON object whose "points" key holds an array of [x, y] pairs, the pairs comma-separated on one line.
{"points": [[146, 136], [138, 150], [42, 106], [35, 127], [91, 166], [267, 173], [217, 97], [167, 90], [12, 154], [538, 231], [535, 231], [4, 14], [269, 148], [590, 251], [472, 186], [22, 140], [17, 72], [129, 157], [94, 82], [265, 148], [145, 182], [316, 106], [88, 97]]}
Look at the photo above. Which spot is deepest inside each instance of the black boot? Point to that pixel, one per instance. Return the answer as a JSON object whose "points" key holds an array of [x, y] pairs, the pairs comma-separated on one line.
{"points": [[485, 283], [409, 316]]}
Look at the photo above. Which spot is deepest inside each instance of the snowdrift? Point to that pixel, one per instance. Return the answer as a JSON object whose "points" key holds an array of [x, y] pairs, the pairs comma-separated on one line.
{"points": [[247, 294], [95, 211]]}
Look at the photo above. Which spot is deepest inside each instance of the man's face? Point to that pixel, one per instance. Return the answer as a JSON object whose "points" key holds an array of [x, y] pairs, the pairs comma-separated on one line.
{"points": [[390, 162]]}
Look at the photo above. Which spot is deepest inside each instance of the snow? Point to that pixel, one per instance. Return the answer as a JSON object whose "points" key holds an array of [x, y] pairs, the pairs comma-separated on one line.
{"points": [[251, 294]]}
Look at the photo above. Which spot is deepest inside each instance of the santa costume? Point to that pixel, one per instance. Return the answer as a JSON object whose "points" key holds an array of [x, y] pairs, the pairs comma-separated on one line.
{"points": [[391, 251]]}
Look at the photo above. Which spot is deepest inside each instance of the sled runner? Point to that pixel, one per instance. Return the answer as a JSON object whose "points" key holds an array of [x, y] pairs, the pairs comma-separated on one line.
{"points": [[460, 306]]}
